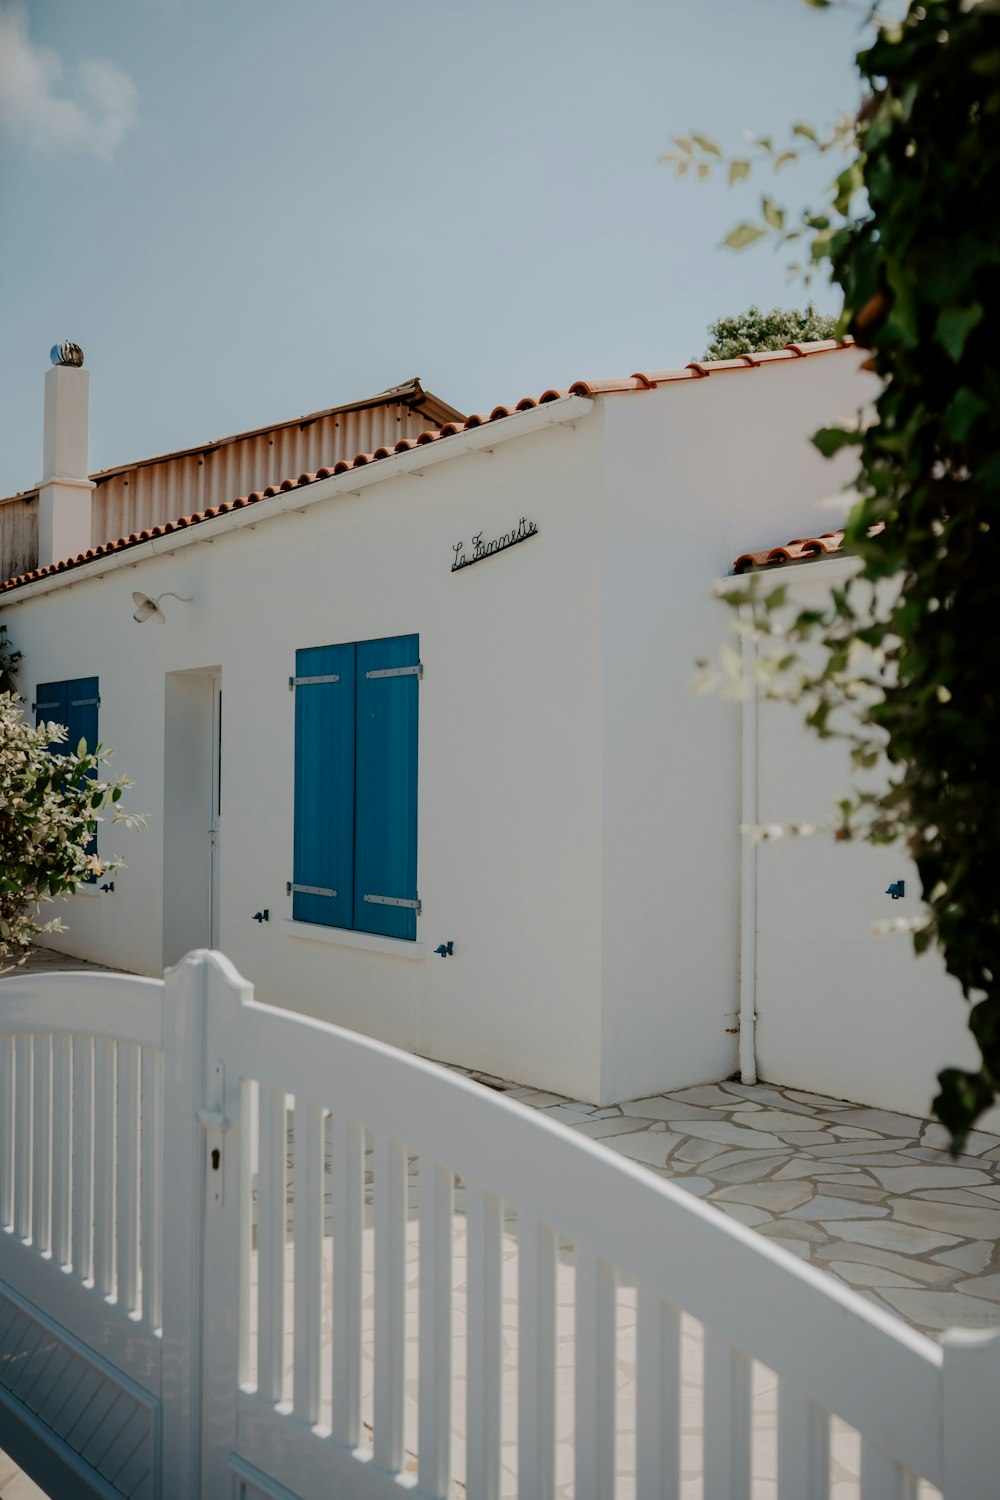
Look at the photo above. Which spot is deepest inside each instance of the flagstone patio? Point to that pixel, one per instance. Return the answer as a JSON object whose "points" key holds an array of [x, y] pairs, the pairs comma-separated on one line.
{"points": [[871, 1196]]}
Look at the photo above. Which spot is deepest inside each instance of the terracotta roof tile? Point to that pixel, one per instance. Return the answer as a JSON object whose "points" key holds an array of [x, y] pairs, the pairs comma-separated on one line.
{"points": [[697, 370], [802, 549]]}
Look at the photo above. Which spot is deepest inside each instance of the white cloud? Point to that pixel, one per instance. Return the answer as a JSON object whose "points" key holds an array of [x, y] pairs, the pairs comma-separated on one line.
{"points": [[92, 115]]}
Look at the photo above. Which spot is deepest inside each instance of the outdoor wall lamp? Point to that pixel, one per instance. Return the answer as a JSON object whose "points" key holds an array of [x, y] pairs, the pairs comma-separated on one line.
{"points": [[149, 609]]}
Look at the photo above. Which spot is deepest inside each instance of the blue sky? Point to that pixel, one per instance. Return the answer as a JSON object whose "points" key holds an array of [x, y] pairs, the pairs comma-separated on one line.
{"points": [[246, 211]]}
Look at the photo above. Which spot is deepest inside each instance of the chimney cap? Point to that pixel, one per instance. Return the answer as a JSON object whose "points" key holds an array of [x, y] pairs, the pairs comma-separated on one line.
{"points": [[66, 354]]}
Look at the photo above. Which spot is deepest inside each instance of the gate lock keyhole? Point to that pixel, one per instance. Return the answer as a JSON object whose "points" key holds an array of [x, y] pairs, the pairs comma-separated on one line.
{"points": [[216, 1158]]}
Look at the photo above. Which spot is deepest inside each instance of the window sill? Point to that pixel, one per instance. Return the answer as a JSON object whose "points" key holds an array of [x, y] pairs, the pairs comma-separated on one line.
{"points": [[343, 937]]}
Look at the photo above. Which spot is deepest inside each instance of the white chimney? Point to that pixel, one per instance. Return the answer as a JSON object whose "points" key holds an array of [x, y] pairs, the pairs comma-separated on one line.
{"points": [[64, 490]]}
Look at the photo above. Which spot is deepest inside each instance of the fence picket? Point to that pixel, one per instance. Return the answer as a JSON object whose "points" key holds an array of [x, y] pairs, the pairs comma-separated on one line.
{"points": [[23, 1059], [595, 1377], [151, 1187], [62, 1146], [248, 1105], [390, 1301], [536, 1344], [105, 1112], [41, 1145], [83, 1158], [272, 1213], [6, 1132], [726, 1418], [803, 1447], [437, 1195], [484, 1213], [127, 1177], [308, 1159], [658, 1398], [881, 1477], [348, 1153]]}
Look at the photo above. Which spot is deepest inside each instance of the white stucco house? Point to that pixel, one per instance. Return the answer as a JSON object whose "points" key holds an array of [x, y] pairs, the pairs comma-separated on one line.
{"points": [[414, 736]]}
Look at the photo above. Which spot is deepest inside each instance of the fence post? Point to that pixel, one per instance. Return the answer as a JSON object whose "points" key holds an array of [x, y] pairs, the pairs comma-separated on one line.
{"points": [[971, 1401], [226, 1198], [183, 1220]]}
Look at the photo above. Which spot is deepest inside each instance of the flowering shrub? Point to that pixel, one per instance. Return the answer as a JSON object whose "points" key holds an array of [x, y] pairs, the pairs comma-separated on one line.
{"points": [[50, 806]]}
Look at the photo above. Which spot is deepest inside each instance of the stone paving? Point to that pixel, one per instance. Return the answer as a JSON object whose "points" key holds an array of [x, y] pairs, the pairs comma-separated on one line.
{"points": [[871, 1196]]}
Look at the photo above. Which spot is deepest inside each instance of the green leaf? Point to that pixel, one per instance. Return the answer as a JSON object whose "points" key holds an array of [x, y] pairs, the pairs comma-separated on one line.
{"points": [[830, 440], [743, 235], [807, 132], [963, 411], [706, 143], [954, 325], [850, 181], [739, 167], [963, 1096], [773, 215]]}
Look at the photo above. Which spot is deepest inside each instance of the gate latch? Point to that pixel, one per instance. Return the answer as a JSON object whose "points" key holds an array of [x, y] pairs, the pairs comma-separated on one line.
{"points": [[214, 1123]]}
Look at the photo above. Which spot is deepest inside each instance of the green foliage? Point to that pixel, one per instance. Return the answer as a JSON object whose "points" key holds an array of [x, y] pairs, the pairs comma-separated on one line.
{"points": [[50, 806], [9, 659], [910, 237], [753, 330]]}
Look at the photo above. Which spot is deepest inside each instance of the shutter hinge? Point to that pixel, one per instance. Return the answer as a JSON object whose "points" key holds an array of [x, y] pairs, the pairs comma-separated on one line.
{"points": [[415, 671], [85, 703], [294, 682], [308, 890], [394, 901]]}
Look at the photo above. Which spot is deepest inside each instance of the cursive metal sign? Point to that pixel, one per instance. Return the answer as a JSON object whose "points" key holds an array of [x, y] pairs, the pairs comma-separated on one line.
{"points": [[481, 549]]}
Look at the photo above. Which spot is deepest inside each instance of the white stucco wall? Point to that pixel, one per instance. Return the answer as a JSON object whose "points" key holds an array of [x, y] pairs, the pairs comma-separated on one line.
{"points": [[697, 472], [840, 1011], [510, 752]]}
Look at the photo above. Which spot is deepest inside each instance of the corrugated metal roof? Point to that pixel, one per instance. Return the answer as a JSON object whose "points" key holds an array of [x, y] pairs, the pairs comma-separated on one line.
{"points": [[411, 394], [151, 491]]}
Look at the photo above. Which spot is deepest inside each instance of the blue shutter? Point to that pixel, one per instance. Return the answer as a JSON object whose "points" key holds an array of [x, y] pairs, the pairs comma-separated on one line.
{"points": [[385, 858], [81, 710], [82, 701], [51, 707], [75, 705], [324, 785]]}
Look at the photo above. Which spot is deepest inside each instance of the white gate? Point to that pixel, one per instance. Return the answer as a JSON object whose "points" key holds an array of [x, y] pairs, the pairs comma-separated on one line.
{"points": [[244, 1253]]}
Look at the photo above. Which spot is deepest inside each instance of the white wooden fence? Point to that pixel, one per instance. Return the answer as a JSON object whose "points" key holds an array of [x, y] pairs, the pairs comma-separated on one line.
{"points": [[246, 1253]]}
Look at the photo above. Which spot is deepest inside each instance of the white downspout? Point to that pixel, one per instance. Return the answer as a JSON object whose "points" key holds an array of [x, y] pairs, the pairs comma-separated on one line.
{"points": [[748, 858]]}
